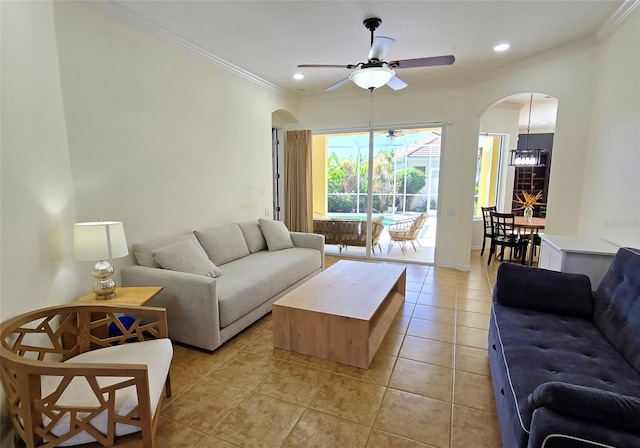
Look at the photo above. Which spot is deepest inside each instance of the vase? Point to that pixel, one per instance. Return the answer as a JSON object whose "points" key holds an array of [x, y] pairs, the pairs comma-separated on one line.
{"points": [[528, 214]]}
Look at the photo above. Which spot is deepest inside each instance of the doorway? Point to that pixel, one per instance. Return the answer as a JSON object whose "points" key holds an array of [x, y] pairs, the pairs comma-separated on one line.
{"points": [[403, 197]]}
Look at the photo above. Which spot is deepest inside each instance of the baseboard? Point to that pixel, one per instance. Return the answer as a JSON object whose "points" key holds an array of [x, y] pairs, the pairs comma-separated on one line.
{"points": [[457, 267]]}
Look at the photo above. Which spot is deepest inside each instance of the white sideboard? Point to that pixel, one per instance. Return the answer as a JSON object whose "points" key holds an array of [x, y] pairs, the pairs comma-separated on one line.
{"points": [[577, 255]]}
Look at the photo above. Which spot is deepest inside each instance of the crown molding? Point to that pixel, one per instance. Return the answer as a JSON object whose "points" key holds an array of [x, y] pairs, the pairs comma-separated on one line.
{"points": [[141, 23], [616, 19]]}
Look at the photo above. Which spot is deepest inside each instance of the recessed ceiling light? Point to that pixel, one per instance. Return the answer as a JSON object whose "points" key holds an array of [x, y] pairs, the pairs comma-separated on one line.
{"points": [[298, 76], [501, 47]]}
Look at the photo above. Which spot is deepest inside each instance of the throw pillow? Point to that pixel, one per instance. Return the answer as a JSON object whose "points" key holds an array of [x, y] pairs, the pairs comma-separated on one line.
{"points": [[253, 236], [276, 234], [185, 256], [223, 244]]}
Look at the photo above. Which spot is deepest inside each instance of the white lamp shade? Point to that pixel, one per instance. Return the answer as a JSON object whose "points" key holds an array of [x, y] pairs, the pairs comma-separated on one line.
{"points": [[372, 77], [99, 241]]}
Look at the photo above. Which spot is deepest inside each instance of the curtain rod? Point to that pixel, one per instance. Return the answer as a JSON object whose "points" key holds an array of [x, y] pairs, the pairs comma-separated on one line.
{"points": [[383, 127]]}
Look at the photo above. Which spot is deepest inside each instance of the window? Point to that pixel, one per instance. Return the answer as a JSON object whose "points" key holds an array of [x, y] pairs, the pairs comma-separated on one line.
{"points": [[487, 172], [406, 166]]}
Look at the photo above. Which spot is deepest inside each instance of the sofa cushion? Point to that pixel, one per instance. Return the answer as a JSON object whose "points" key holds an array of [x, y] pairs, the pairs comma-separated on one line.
{"points": [[142, 251], [186, 256], [544, 290], [536, 347], [253, 236], [223, 244], [156, 354], [249, 282], [617, 305], [276, 234]]}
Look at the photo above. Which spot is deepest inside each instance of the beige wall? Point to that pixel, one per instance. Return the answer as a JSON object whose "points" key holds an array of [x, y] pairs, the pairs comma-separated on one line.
{"points": [[101, 121], [611, 194], [36, 185]]}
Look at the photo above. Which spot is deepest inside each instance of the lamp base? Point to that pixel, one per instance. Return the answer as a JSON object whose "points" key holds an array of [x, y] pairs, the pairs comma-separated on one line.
{"points": [[104, 286]]}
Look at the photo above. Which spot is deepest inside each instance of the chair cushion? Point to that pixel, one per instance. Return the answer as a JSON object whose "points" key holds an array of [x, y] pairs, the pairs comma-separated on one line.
{"points": [[223, 244], [156, 354], [186, 256]]}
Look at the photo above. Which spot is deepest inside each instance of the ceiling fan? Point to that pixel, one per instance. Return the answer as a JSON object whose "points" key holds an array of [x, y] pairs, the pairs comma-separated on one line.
{"points": [[393, 134], [376, 72]]}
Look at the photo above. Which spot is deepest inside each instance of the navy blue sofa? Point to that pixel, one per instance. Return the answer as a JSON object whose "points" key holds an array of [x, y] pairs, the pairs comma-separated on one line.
{"points": [[565, 361]]}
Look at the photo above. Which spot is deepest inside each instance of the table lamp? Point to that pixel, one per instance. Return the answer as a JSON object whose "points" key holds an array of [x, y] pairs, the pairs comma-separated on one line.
{"points": [[100, 241]]}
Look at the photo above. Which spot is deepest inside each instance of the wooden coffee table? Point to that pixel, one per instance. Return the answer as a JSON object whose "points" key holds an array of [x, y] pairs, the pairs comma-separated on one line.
{"points": [[342, 314]]}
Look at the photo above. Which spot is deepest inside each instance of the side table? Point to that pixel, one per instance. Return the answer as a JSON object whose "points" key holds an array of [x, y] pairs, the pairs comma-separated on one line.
{"points": [[133, 296]]}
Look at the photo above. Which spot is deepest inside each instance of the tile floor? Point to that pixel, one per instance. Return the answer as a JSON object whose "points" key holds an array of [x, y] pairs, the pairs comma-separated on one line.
{"points": [[428, 386]]}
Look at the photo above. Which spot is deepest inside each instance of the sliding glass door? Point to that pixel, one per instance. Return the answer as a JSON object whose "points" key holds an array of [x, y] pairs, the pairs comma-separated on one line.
{"points": [[404, 193]]}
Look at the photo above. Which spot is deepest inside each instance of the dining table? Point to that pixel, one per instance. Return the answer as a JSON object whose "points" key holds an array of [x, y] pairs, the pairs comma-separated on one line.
{"points": [[536, 224]]}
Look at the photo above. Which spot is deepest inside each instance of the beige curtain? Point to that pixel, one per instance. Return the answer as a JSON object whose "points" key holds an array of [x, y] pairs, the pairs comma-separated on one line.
{"points": [[298, 187]]}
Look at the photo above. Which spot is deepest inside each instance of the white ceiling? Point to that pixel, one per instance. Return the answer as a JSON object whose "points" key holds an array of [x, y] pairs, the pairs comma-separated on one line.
{"points": [[268, 39]]}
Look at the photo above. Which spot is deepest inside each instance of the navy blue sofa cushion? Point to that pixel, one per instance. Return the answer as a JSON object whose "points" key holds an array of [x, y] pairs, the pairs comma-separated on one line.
{"points": [[544, 290], [545, 329]]}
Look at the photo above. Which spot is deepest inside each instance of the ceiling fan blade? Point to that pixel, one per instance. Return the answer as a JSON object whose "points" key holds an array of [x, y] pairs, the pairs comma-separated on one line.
{"points": [[325, 66], [423, 62], [338, 84], [396, 83], [381, 45]]}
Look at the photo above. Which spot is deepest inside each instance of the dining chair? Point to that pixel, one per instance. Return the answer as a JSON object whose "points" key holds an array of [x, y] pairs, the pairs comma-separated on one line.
{"points": [[505, 234], [486, 222]]}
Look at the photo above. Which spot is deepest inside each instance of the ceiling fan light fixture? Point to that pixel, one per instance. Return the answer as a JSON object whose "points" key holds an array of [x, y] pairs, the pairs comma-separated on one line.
{"points": [[371, 77]]}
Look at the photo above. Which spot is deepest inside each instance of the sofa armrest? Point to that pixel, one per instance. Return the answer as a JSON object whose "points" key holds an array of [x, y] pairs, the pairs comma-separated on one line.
{"points": [[551, 429], [309, 240], [191, 302], [544, 290], [587, 403]]}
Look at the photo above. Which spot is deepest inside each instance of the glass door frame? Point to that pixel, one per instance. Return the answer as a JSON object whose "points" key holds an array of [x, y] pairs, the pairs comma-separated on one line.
{"points": [[371, 150]]}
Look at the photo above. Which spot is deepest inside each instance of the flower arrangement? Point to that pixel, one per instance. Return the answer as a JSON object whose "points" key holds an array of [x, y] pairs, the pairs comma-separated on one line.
{"points": [[528, 200]]}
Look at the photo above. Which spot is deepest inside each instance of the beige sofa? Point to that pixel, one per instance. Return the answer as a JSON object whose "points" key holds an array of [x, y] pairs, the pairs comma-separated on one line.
{"points": [[220, 280]]}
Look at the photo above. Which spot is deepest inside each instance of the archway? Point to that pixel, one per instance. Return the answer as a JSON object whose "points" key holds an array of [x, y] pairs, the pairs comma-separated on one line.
{"points": [[513, 122]]}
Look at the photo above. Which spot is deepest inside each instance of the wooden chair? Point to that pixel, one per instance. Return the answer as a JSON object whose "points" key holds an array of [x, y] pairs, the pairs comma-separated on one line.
{"points": [[504, 234], [76, 374], [486, 223], [406, 230]]}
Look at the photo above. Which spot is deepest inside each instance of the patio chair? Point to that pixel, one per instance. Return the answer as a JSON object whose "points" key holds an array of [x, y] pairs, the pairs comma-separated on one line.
{"points": [[376, 231], [406, 230], [70, 379], [347, 233]]}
